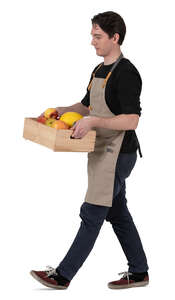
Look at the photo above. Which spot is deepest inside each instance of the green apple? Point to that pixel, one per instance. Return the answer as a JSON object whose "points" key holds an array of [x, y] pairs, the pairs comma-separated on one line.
{"points": [[49, 121]]}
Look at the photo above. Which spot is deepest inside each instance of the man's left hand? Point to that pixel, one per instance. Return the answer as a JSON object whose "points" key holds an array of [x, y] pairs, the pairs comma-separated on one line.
{"points": [[82, 126]]}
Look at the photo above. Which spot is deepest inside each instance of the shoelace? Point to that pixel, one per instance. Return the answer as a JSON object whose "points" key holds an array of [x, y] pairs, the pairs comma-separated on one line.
{"points": [[50, 271], [125, 274]]}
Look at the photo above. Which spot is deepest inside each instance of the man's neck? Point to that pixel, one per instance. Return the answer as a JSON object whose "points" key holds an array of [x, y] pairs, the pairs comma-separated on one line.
{"points": [[110, 59]]}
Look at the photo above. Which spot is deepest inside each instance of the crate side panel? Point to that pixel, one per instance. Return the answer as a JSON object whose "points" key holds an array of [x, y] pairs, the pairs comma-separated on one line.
{"points": [[31, 129], [65, 143], [47, 136]]}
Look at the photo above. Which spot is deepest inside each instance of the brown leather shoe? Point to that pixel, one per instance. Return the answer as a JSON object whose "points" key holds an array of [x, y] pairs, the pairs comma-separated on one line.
{"points": [[51, 278], [130, 280]]}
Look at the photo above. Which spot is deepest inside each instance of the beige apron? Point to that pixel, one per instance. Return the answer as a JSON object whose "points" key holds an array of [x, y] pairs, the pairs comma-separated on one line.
{"points": [[102, 161]]}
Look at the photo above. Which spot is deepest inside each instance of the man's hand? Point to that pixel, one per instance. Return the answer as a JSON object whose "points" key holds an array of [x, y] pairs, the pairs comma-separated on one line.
{"points": [[82, 126]]}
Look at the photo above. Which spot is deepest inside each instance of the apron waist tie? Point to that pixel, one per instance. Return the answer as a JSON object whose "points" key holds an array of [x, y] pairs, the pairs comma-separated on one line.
{"points": [[138, 145], [140, 151]]}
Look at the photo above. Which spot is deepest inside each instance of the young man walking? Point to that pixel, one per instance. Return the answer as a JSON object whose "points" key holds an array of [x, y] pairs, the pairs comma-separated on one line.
{"points": [[111, 106]]}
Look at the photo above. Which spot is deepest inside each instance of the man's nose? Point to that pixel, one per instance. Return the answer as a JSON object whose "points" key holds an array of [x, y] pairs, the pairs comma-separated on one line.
{"points": [[92, 42]]}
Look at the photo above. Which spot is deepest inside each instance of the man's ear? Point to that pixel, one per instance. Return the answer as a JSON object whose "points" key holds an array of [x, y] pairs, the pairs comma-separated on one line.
{"points": [[116, 36]]}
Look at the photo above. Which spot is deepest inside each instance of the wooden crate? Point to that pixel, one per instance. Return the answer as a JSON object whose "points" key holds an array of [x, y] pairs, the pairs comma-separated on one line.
{"points": [[57, 139]]}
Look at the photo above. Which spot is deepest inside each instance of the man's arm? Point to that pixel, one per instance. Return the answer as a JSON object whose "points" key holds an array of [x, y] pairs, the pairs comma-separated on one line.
{"points": [[77, 107], [119, 122]]}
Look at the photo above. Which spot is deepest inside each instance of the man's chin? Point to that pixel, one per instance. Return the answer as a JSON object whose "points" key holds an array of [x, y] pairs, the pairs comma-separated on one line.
{"points": [[98, 53]]}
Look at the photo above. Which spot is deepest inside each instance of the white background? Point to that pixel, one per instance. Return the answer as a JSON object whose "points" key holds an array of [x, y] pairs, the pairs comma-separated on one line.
{"points": [[45, 61]]}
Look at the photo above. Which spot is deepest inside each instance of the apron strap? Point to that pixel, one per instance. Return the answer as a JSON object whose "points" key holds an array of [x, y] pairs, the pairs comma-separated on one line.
{"points": [[90, 84], [108, 75], [113, 67]]}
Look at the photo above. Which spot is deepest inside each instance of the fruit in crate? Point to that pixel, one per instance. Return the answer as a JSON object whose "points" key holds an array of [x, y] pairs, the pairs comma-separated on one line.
{"points": [[41, 119], [49, 121], [70, 117], [58, 124], [51, 113]]}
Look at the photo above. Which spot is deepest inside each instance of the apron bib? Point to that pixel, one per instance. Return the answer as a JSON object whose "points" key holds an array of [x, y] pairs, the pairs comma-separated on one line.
{"points": [[102, 161]]}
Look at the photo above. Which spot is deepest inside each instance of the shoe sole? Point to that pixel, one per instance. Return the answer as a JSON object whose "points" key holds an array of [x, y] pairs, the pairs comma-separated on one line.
{"points": [[58, 287], [126, 286]]}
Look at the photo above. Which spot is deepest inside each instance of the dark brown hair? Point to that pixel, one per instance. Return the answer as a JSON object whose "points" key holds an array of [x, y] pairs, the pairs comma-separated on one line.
{"points": [[111, 23]]}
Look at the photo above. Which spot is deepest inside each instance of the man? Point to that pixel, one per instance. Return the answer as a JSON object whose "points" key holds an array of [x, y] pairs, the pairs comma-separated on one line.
{"points": [[111, 106]]}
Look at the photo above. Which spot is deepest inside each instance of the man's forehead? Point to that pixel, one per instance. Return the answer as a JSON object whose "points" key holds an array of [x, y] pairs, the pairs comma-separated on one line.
{"points": [[96, 29]]}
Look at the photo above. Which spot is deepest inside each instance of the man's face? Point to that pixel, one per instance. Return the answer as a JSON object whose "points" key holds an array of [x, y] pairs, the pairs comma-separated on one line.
{"points": [[101, 41]]}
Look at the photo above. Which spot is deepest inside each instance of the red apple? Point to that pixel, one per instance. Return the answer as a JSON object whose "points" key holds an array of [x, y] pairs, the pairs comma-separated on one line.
{"points": [[41, 119]]}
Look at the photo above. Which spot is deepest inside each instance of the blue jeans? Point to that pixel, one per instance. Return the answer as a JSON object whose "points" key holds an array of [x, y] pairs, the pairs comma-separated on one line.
{"points": [[118, 215]]}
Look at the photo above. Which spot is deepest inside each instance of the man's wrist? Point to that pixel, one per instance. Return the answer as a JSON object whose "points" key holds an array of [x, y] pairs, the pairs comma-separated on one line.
{"points": [[95, 121]]}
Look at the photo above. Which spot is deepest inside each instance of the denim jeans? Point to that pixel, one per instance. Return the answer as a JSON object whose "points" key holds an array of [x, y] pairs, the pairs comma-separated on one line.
{"points": [[92, 218]]}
